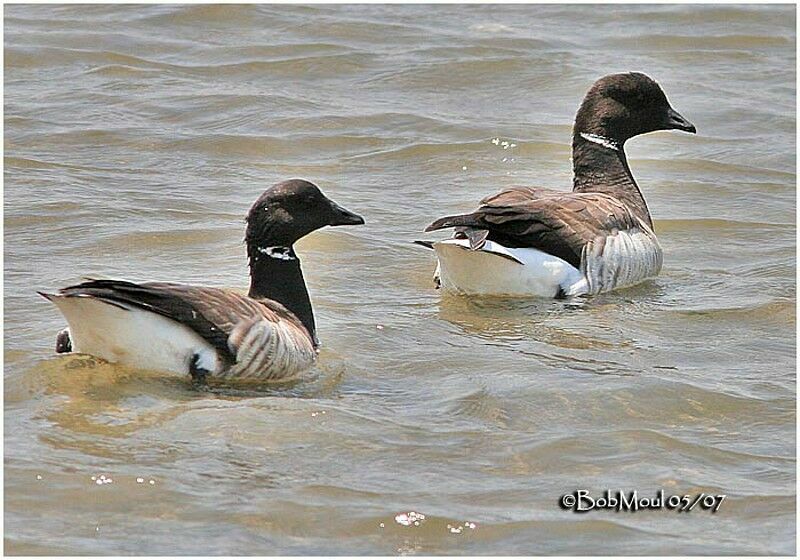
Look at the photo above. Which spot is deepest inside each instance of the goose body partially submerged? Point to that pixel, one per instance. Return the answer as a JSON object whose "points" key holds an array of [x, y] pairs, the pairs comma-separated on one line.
{"points": [[597, 238], [269, 334]]}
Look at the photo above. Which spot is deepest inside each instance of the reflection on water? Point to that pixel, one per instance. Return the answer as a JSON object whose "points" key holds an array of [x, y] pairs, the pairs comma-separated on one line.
{"points": [[136, 138], [103, 399]]}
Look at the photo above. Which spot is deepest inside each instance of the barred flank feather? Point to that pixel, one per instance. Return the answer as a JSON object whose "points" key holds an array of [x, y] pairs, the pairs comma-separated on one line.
{"points": [[268, 350], [620, 260]]}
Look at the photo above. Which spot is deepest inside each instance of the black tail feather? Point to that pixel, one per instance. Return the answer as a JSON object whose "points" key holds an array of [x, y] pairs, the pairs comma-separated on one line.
{"points": [[452, 221]]}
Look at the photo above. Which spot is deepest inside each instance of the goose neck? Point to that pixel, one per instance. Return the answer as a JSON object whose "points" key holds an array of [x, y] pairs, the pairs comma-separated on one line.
{"points": [[599, 165], [275, 273]]}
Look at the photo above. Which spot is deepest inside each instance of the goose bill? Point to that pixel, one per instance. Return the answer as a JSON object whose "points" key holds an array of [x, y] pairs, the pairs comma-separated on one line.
{"points": [[343, 217], [676, 121]]}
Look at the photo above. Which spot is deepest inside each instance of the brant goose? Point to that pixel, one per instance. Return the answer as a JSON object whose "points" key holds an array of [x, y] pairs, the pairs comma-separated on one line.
{"points": [[548, 243], [267, 335]]}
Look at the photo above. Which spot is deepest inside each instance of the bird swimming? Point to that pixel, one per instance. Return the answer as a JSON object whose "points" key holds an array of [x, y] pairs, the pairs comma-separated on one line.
{"points": [[533, 241], [269, 334]]}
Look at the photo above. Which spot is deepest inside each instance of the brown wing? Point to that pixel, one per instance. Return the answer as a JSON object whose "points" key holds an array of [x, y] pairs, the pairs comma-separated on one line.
{"points": [[558, 223], [212, 313], [515, 195], [227, 309]]}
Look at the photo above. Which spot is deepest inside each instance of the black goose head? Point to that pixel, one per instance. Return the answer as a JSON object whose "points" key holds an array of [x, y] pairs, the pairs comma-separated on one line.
{"points": [[291, 210], [621, 106]]}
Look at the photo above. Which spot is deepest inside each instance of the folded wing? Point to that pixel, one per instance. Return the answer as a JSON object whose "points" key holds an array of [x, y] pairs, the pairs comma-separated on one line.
{"points": [[558, 223], [255, 337]]}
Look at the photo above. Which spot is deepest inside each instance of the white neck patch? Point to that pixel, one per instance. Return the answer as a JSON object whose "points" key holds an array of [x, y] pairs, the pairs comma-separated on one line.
{"points": [[602, 140], [281, 253]]}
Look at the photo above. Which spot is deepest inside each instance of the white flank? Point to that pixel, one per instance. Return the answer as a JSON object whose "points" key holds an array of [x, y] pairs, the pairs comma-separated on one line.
{"points": [[134, 337], [498, 270]]}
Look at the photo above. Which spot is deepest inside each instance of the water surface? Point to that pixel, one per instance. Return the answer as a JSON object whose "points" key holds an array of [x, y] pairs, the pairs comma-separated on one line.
{"points": [[136, 137]]}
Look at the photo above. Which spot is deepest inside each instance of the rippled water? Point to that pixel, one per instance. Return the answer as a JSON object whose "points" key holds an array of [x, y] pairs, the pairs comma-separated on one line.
{"points": [[136, 137]]}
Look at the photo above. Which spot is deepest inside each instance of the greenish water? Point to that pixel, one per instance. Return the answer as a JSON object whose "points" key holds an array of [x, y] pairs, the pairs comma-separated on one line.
{"points": [[136, 137]]}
